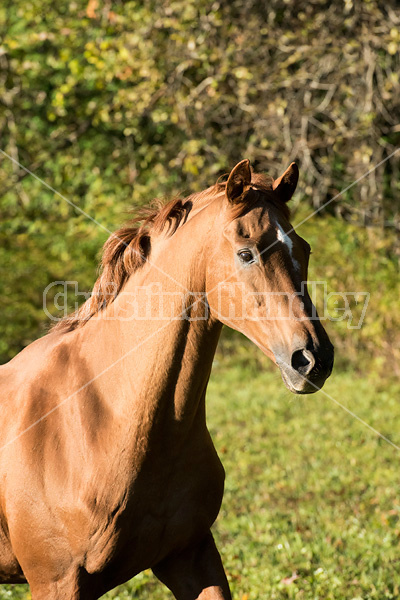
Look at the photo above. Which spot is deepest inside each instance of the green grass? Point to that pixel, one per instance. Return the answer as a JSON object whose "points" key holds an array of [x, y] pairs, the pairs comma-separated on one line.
{"points": [[309, 489]]}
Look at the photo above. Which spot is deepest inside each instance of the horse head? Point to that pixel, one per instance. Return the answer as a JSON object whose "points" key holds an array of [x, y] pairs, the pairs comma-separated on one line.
{"points": [[257, 278]]}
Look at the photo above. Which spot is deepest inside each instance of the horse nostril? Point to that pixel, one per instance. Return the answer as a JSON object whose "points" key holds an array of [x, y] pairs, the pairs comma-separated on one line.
{"points": [[303, 361]]}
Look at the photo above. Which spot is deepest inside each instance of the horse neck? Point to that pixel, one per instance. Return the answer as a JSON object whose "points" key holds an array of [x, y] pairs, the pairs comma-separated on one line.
{"points": [[166, 355]]}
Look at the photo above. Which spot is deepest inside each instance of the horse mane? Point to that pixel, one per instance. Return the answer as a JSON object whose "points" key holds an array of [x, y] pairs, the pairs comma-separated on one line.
{"points": [[125, 251], [128, 248]]}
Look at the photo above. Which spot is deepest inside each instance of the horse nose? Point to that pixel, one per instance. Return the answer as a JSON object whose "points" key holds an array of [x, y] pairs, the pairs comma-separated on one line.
{"points": [[307, 368], [303, 361]]}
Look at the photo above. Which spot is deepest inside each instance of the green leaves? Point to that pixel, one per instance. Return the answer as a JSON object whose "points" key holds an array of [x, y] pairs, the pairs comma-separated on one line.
{"points": [[115, 104]]}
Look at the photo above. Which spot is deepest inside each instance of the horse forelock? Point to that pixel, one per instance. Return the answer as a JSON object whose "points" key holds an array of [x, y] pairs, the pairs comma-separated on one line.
{"points": [[260, 190]]}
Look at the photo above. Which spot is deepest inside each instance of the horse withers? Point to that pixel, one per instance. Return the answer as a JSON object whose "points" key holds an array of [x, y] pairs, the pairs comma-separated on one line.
{"points": [[106, 463]]}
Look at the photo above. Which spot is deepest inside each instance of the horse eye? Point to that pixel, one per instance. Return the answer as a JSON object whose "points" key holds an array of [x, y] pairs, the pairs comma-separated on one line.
{"points": [[246, 256]]}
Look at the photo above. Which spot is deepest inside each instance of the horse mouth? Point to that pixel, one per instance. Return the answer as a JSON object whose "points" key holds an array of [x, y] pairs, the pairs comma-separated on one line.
{"points": [[299, 384]]}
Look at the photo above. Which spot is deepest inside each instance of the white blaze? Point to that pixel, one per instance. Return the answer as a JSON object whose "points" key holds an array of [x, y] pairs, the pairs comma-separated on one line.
{"points": [[285, 239]]}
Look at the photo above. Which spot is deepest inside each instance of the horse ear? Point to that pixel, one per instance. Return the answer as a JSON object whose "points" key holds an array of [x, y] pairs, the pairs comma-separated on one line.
{"points": [[239, 178], [286, 184]]}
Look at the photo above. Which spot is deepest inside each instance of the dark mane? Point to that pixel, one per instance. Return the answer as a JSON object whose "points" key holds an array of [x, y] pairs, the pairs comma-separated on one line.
{"points": [[128, 248], [124, 252]]}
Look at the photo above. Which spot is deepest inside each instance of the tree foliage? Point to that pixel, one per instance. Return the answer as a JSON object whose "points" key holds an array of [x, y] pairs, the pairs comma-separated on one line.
{"points": [[113, 103]]}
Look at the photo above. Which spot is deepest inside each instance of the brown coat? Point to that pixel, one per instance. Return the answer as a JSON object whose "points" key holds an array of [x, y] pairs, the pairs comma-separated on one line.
{"points": [[106, 464]]}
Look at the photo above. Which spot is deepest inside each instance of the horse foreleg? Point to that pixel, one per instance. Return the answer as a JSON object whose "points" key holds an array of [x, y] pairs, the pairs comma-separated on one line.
{"points": [[196, 573], [73, 586]]}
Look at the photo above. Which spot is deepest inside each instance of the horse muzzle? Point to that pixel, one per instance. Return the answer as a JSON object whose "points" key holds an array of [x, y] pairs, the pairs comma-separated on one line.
{"points": [[306, 369]]}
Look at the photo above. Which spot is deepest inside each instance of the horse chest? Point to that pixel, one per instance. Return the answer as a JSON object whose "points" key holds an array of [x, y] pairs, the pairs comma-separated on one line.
{"points": [[166, 509]]}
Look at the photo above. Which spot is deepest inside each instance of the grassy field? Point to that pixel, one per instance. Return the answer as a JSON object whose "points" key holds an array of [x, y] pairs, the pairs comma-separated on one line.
{"points": [[312, 505]]}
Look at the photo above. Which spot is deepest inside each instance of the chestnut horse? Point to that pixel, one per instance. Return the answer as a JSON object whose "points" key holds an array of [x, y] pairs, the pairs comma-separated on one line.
{"points": [[107, 466]]}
